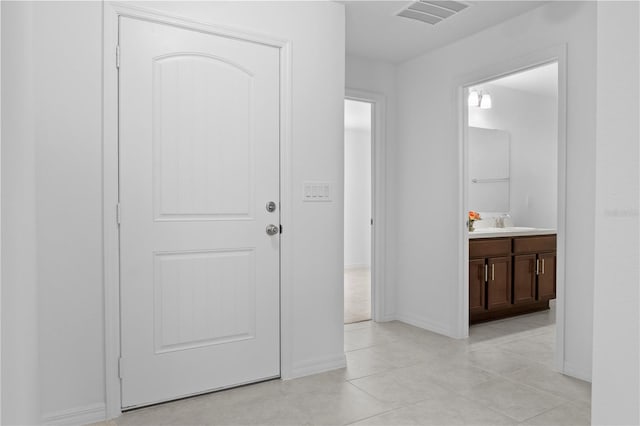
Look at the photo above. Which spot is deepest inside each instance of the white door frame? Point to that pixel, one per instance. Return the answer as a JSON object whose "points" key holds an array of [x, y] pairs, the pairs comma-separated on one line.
{"points": [[378, 198], [111, 252], [554, 54]]}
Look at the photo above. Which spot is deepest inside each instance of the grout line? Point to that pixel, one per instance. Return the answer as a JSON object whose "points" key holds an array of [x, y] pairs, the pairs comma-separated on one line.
{"points": [[540, 390], [490, 408], [544, 412]]}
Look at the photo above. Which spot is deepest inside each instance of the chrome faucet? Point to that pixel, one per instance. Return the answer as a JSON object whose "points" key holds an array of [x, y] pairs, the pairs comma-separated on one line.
{"points": [[500, 220]]}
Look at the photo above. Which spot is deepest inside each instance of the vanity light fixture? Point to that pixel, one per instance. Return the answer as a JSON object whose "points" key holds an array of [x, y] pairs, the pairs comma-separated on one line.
{"points": [[479, 99]]}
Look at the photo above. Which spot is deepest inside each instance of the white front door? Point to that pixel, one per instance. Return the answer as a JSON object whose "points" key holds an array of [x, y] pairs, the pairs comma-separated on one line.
{"points": [[199, 160]]}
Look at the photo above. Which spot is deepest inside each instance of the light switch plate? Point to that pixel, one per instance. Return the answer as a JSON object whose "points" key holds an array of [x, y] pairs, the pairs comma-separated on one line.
{"points": [[316, 191]]}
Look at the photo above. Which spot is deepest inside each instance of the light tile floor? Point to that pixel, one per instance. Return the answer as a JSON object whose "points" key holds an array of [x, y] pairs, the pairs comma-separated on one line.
{"points": [[401, 375], [357, 295]]}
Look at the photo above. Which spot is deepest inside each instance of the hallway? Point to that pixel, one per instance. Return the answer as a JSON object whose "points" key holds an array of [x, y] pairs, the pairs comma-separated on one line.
{"points": [[399, 374]]}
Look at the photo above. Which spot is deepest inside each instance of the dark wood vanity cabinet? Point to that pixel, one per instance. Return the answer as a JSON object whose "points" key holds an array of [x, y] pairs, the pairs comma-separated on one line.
{"points": [[510, 276]]}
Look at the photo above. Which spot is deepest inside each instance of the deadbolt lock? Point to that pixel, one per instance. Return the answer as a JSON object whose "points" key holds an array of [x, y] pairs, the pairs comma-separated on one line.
{"points": [[271, 206]]}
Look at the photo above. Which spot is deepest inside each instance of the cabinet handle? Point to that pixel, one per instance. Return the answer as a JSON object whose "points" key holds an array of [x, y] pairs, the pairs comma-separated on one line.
{"points": [[486, 273], [542, 266], [537, 266], [493, 272]]}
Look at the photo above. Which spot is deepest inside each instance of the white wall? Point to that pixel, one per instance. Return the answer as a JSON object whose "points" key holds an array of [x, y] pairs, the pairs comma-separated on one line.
{"points": [[380, 77], [428, 170], [53, 156], [67, 82], [20, 392], [616, 334], [532, 123], [357, 197]]}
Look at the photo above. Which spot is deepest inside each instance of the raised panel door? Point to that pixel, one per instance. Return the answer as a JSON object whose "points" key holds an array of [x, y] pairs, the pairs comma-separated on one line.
{"points": [[499, 283], [547, 276], [524, 278], [199, 158], [476, 286]]}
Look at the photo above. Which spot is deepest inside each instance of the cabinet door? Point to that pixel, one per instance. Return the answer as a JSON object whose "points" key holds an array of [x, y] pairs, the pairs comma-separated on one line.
{"points": [[476, 286], [547, 276], [524, 278], [499, 284]]}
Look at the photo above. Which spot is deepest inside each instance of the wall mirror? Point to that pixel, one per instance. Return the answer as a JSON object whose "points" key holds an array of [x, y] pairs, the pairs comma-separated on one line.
{"points": [[489, 158]]}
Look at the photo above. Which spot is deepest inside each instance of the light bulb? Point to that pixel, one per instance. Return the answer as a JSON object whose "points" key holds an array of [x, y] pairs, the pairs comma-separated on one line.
{"points": [[485, 101], [474, 98]]}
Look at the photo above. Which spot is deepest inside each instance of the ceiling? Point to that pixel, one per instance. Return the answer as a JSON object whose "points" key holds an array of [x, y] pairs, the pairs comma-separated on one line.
{"points": [[373, 30], [540, 81]]}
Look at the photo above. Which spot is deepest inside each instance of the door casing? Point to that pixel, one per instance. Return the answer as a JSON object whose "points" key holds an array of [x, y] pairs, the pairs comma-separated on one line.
{"points": [[110, 165]]}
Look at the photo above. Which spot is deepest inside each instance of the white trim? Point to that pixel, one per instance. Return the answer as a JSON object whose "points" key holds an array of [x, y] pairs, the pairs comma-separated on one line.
{"points": [[286, 210], [426, 324], [577, 372], [1, 382], [357, 266], [557, 54], [111, 268], [378, 199], [76, 416], [318, 365], [111, 253]]}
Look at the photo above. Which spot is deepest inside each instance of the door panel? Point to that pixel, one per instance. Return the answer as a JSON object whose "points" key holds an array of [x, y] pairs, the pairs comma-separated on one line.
{"points": [[191, 181], [204, 298], [524, 278], [199, 158], [476, 286], [499, 284], [547, 277]]}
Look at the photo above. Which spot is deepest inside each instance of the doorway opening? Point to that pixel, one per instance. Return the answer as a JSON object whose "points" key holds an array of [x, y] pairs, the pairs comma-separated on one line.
{"points": [[513, 195], [357, 210]]}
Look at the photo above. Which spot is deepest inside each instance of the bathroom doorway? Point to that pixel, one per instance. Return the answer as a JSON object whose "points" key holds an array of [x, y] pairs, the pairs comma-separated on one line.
{"points": [[357, 210], [513, 158]]}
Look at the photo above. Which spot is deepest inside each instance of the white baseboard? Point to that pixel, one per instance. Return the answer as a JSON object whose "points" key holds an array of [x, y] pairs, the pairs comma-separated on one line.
{"points": [[363, 266], [76, 416], [426, 324], [318, 365], [577, 372], [387, 317]]}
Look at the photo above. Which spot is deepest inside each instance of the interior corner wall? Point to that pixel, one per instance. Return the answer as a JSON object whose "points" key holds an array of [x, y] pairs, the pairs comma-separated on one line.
{"points": [[53, 318], [532, 123], [616, 334], [427, 168], [380, 78]]}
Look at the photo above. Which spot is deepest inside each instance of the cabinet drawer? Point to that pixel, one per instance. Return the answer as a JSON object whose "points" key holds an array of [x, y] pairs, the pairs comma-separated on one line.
{"points": [[534, 244], [489, 247]]}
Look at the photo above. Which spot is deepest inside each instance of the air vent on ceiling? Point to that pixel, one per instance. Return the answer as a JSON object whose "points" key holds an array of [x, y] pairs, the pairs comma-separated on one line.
{"points": [[432, 11]]}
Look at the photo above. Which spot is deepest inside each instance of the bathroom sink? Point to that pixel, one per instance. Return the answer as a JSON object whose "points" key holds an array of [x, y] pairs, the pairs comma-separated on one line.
{"points": [[509, 231], [505, 229]]}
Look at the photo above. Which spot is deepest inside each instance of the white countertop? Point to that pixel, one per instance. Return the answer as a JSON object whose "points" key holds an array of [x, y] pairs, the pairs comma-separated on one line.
{"points": [[513, 231]]}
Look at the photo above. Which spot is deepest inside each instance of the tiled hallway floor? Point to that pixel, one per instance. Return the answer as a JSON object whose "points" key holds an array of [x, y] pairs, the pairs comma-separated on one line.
{"points": [[401, 375]]}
